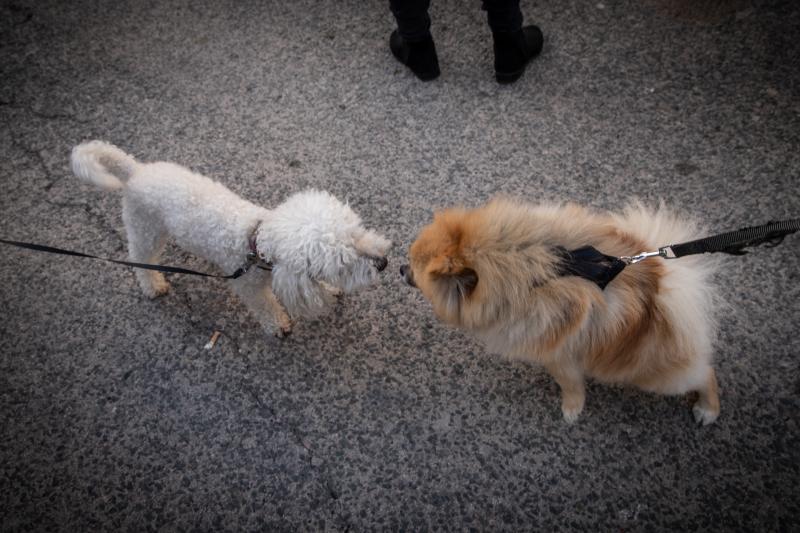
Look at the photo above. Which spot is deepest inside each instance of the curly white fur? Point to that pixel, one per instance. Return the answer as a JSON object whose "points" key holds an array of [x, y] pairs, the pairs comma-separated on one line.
{"points": [[314, 241]]}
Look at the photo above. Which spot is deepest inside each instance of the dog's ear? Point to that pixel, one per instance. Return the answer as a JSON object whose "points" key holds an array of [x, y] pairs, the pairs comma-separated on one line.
{"points": [[450, 269], [457, 277], [465, 282]]}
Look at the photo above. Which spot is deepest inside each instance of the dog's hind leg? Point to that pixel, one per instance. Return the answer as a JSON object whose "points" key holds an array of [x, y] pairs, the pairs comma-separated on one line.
{"points": [[706, 409], [146, 239], [254, 290], [569, 377]]}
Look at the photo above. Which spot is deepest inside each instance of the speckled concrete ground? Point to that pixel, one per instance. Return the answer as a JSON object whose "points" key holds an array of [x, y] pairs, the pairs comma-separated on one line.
{"points": [[114, 417]]}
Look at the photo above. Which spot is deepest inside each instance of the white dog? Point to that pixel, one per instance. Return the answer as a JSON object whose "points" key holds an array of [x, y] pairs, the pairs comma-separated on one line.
{"points": [[315, 245]]}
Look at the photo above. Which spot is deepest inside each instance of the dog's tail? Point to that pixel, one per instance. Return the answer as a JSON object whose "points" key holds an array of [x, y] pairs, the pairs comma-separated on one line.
{"points": [[102, 164]]}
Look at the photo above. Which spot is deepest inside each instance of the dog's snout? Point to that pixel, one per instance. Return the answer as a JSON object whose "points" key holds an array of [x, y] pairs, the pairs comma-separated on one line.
{"points": [[408, 275], [380, 263]]}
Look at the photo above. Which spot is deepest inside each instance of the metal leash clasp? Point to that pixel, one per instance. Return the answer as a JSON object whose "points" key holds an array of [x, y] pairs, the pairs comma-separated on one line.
{"points": [[252, 259], [633, 259]]}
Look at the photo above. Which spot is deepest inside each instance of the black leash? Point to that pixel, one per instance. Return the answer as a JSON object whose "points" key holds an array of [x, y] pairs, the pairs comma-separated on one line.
{"points": [[733, 242], [252, 259], [591, 264], [586, 262]]}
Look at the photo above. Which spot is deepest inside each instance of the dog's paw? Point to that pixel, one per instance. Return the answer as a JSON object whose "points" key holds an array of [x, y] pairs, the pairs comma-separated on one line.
{"points": [[704, 415], [284, 327], [571, 410], [282, 333], [156, 288], [333, 291]]}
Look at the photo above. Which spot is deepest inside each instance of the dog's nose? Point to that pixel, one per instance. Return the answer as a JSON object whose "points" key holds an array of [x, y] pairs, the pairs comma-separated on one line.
{"points": [[381, 263], [408, 275]]}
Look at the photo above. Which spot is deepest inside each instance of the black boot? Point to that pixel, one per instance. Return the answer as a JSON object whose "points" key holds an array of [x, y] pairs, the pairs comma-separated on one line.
{"points": [[420, 56], [513, 50]]}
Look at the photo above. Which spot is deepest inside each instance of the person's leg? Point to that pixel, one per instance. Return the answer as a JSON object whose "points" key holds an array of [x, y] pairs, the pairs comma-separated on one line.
{"points": [[412, 43], [514, 45], [413, 22], [503, 15]]}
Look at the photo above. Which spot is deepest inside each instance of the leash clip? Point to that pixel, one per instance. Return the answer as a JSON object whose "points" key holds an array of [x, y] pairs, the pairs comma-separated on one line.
{"points": [[633, 259], [250, 259], [254, 259], [667, 252]]}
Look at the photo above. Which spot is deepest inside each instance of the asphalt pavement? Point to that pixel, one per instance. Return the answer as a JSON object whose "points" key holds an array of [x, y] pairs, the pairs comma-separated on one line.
{"points": [[114, 416]]}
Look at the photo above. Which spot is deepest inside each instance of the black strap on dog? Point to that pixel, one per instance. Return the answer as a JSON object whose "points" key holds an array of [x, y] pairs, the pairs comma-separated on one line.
{"points": [[593, 265], [252, 260], [589, 263]]}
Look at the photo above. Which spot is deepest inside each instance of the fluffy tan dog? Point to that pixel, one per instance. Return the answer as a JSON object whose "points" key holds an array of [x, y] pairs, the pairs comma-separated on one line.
{"points": [[496, 271]]}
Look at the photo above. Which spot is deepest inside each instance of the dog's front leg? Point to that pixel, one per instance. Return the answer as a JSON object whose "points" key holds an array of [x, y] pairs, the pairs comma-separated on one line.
{"points": [[254, 290], [280, 315]]}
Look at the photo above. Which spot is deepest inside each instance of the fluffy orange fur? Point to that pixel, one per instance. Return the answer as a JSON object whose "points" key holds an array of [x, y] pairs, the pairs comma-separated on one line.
{"points": [[494, 271]]}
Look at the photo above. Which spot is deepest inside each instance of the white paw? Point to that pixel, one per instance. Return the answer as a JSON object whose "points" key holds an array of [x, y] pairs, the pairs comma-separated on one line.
{"points": [[333, 291], [703, 415], [156, 288], [571, 411], [284, 330]]}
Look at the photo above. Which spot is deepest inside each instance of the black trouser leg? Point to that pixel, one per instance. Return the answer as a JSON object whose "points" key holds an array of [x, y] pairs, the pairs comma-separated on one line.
{"points": [[503, 15], [413, 22], [412, 43], [514, 45]]}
